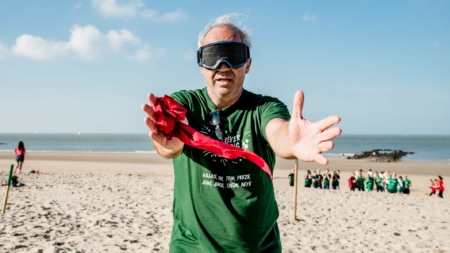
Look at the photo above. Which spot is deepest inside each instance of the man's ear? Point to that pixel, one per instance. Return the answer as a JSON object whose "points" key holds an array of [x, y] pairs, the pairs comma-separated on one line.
{"points": [[249, 63], [201, 70]]}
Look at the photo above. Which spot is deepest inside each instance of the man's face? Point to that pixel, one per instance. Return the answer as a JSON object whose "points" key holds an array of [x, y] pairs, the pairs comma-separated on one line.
{"points": [[224, 84]]}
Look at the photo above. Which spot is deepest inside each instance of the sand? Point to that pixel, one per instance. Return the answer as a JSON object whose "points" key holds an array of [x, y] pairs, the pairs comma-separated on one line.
{"points": [[85, 202]]}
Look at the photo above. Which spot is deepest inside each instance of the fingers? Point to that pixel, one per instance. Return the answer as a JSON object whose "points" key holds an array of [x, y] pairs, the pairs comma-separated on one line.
{"points": [[297, 110], [320, 159], [330, 134], [327, 122], [151, 99], [149, 111], [151, 125], [326, 146]]}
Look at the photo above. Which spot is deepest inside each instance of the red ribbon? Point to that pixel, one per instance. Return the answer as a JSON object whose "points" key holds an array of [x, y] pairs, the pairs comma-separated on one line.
{"points": [[169, 114]]}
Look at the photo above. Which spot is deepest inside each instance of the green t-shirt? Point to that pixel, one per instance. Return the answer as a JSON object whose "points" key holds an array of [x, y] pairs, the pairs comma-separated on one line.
{"points": [[223, 205], [392, 184], [308, 181], [406, 183], [314, 181], [325, 179], [369, 183], [360, 182], [319, 179], [291, 179], [379, 181]]}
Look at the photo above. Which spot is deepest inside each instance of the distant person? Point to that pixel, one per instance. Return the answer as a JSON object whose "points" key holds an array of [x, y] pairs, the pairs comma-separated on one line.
{"points": [[432, 187], [308, 179], [315, 180], [20, 156], [368, 181], [392, 185], [291, 177], [400, 186], [440, 187], [406, 184], [335, 180], [326, 179], [370, 173], [319, 178], [379, 182], [386, 177], [352, 182], [360, 181]]}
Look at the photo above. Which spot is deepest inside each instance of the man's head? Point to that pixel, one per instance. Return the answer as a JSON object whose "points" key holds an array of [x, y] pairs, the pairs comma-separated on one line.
{"points": [[318, 171], [327, 171], [405, 176], [225, 83]]}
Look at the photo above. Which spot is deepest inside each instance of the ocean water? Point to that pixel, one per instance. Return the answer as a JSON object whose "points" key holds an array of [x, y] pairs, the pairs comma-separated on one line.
{"points": [[425, 147]]}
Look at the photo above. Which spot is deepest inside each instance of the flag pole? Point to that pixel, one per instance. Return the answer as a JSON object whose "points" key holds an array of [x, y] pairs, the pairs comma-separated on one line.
{"points": [[294, 217], [8, 185]]}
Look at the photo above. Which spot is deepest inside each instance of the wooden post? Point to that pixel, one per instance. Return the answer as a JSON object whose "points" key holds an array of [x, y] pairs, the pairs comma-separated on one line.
{"points": [[294, 217], [8, 185]]}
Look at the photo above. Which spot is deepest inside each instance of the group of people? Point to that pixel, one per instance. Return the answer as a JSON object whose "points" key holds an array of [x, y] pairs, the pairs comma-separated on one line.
{"points": [[318, 181], [437, 187], [381, 182]]}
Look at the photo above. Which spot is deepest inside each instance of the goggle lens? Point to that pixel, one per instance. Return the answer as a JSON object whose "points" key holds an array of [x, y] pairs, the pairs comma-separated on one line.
{"points": [[234, 54]]}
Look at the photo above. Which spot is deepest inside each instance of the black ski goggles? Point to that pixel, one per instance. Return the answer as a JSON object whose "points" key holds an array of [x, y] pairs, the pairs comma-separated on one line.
{"points": [[234, 54]]}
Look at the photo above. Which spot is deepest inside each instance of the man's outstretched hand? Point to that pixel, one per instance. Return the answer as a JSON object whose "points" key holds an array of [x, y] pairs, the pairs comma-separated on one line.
{"points": [[309, 139], [166, 148]]}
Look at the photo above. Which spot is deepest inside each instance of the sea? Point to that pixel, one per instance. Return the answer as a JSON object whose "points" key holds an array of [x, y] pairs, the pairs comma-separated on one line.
{"points": [[432, 148]]}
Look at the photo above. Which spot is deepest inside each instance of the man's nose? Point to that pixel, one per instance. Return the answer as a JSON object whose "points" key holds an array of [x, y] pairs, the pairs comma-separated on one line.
{"points": [[223, 67]]}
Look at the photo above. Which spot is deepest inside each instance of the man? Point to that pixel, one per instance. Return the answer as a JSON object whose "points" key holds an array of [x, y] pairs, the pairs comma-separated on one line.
{"points": [[335, 180], [326, 179], [368, 181], [319, 179], [315, 180], [352, 182], [406, 185], [392, 185], [223, 205], [291, 177]]}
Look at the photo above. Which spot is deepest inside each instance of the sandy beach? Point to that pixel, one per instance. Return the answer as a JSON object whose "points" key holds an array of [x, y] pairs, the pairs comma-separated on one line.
{"points": [[104, 202]]}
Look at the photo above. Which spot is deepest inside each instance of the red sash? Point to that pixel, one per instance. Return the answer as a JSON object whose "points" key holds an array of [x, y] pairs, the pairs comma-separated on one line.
{"points": [[168, 120]]}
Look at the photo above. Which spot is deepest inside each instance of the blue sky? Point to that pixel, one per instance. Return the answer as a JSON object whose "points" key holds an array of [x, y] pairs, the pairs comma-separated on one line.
{"points": [[69, 66]]}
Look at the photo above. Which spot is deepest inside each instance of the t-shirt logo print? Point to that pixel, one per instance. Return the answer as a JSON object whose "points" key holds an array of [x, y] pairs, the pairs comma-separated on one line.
{"points": [[232, 140]]}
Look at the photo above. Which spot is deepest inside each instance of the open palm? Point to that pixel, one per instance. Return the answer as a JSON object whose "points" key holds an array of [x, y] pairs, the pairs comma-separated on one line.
{"points": [[309, 139]]}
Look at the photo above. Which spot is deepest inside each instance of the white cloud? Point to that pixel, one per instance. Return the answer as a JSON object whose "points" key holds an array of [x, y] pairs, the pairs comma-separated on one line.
{"points": [[309, 18], [146, 53], [436, 43], [37, 48], [3, 51], [117, 39], [86, 43], [112, 9]]}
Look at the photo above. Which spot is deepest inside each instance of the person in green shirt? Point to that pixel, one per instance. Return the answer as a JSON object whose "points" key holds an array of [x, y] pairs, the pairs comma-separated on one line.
{"points": [[368, 181], [291, 177], [315, 180], [406, 184], [379, 182], [319, 179], [400, 187], [228, 205], [326, 179], [360, 182], [308, 179], [392, 183]]}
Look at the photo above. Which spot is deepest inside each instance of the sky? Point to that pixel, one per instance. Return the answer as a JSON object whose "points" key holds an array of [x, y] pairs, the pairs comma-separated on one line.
{"points": [[87, 66]]}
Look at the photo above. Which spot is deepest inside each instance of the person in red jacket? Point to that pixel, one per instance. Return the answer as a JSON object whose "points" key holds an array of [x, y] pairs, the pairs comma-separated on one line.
{"points": [[440, 187], [352, 182], [20, 156]]}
